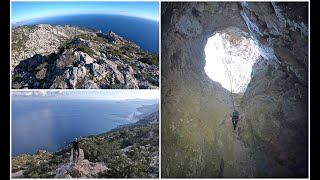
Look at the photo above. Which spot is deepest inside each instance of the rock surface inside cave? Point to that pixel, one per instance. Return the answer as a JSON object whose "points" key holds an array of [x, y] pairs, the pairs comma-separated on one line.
{"points": [[271, 139]]}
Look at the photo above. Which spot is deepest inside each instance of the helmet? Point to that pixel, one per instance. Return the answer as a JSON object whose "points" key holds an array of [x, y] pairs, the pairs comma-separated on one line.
{"points": [[76, 139]]}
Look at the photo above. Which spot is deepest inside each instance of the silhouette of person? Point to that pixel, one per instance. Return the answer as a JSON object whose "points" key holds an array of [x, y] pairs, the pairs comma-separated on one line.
{"points": [[75, 146], [235, 118]]}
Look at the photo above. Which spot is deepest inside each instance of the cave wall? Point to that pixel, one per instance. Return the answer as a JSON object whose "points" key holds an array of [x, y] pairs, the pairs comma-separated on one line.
{"points": [[197, 135]]}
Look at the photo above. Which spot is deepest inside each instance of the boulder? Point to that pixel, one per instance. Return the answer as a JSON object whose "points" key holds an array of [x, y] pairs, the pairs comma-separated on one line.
{"points": [[131, 82], [65, 60], [41, 74], [81, 72], [59, 83], [153, 80], [78, 73], [83, 58], [98, 71], [77, 160], [88, 59], [79, 167], [118, 75], [90, 84]]}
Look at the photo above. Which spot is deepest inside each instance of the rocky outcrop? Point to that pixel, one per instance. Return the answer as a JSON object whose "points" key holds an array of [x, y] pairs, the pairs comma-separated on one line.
{"points": [[74, 58], [18, 174], [154, 165], [271, 139], [79, 167]]}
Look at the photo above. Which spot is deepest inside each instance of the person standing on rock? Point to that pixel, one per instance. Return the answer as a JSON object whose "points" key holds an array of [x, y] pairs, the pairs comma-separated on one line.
{"points": [[235, 118], [75, 147]]}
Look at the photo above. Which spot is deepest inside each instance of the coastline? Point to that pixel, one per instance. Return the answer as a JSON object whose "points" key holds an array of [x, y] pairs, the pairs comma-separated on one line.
{"points": [[141, 137], [139, 113]]}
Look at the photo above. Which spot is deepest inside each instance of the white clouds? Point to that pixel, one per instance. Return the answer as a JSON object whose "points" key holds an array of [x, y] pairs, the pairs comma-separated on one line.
{"points": [[92, 94], [117, 94], [39, 93], [134, 94]]}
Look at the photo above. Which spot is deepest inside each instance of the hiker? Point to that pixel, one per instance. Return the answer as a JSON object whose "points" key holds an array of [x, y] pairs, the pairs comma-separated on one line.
{"points": [[235, 118], [75, 145]]}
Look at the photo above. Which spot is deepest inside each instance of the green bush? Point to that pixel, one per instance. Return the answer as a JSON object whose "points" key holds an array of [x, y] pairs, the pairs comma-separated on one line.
{"points": [[77, 47], [143, 52], [124, 167], [102, 152], [92, 37], [152, 59], [116, 53], [84, 48], [40, 171], [128, 48]]}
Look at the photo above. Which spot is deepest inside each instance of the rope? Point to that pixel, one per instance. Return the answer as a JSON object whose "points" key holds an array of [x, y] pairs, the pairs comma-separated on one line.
{"points": [[231, 94], [230, 86]]}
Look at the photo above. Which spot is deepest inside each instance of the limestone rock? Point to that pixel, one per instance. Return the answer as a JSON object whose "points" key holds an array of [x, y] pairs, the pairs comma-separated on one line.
{"points": [[98, 71], [59, 83], [77, 159], [79, 168], [272, 133], [50, 56], [90, 84], [131, 82]]}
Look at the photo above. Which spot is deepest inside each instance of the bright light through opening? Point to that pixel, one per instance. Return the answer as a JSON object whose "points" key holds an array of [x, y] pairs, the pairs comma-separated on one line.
{"points": [[229, 60]]}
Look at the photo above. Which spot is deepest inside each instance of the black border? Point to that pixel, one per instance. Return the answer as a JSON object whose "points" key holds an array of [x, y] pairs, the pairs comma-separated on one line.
{"points": [[5, 88]]}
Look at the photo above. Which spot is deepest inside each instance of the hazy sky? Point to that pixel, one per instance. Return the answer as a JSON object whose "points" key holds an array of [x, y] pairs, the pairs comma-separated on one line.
{"points": [[92, 94], [21, 11]]}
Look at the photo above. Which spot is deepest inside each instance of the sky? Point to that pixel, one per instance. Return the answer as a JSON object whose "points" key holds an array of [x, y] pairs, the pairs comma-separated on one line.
{"points": [[226, 66], [91, 94], [23, 11]]}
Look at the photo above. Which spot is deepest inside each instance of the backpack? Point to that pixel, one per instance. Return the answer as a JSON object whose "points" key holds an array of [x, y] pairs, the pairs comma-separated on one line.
{"points": [[235, 115]]}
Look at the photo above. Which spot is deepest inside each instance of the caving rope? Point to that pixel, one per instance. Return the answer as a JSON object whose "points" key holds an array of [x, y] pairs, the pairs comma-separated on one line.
{"points": [[234, 109], [235, 114], [231, 92]]}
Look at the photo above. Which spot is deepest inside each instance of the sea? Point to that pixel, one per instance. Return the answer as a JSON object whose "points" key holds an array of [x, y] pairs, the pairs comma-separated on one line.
{"points": [[45, 124], [143, 32]]}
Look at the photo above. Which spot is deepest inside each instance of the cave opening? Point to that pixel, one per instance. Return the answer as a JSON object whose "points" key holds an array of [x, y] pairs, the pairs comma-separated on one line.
{"points": [[230, 56]]}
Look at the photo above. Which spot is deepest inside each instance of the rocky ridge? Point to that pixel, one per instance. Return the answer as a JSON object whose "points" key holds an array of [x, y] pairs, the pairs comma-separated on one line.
{"points": [[78, 168], [65, 57]]}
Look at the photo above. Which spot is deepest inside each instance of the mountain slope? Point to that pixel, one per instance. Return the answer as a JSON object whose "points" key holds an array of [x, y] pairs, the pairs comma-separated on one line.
{"points": [[64, 57], [129, 151]]}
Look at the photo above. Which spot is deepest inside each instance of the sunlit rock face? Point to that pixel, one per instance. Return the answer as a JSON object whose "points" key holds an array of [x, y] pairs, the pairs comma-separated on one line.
{"points": [[271, 139], [229, 59]]}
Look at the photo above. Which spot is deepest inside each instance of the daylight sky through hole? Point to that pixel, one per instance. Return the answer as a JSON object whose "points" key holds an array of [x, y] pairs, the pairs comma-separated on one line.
{"points": [[230, 56]]}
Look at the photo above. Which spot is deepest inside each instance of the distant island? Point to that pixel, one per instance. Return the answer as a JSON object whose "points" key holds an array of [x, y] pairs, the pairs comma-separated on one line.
{"points": [[68, 57], [128, 151]]}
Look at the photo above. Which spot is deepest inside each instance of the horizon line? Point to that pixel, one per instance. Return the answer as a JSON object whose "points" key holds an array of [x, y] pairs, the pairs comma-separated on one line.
{"points": [[70, 14], [68, 97]]}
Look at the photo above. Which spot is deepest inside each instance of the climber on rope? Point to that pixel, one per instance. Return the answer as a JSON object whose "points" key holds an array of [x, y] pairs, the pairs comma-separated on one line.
{"points": [[235, 118]]}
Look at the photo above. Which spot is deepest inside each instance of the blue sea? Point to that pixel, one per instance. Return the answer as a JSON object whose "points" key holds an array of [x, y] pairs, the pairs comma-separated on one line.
{"points": [[143, 32], [40, 123]]}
